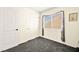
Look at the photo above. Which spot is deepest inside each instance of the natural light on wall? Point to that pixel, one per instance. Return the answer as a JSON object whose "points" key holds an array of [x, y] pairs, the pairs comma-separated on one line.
{"points": [[29, 20], [33, 24], [28, 24]]}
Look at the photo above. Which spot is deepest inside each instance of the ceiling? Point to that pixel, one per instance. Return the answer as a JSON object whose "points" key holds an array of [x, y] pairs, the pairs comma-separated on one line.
{"points": [[40, 9]]}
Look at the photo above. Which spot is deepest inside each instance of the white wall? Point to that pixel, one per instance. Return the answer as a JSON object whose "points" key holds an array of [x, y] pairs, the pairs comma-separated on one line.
{"points": [[71, 28], [28, 23], [26, 20]]}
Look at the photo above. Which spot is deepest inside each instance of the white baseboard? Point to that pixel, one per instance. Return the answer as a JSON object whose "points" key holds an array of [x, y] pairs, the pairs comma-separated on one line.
{"points": [[59, 42]]}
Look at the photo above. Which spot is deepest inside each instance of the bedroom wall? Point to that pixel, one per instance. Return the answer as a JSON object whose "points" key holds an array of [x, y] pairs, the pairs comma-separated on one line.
{"points": [[23, 19], [71, 28], [28, 23]]}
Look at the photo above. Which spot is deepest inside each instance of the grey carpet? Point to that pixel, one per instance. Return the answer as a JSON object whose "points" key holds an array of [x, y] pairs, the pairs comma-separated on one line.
{"points": [[40, 44]]}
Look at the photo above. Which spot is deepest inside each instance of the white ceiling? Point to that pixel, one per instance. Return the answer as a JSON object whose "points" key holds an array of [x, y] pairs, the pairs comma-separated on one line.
{"points": [[40, 9]]}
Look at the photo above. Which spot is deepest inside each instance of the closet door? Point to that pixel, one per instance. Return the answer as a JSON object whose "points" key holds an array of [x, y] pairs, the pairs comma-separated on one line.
{"points": [[9, 34]]}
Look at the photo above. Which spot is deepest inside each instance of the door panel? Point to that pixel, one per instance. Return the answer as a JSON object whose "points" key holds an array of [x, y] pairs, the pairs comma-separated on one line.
{"points": [[9, 25]]}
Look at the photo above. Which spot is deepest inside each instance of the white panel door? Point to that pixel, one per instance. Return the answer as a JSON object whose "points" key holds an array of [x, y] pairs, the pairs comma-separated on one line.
{"points": [[9, 26]]}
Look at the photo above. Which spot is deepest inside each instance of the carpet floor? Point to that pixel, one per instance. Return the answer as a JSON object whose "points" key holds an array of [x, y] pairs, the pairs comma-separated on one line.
{"points": [[41, 44]]}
